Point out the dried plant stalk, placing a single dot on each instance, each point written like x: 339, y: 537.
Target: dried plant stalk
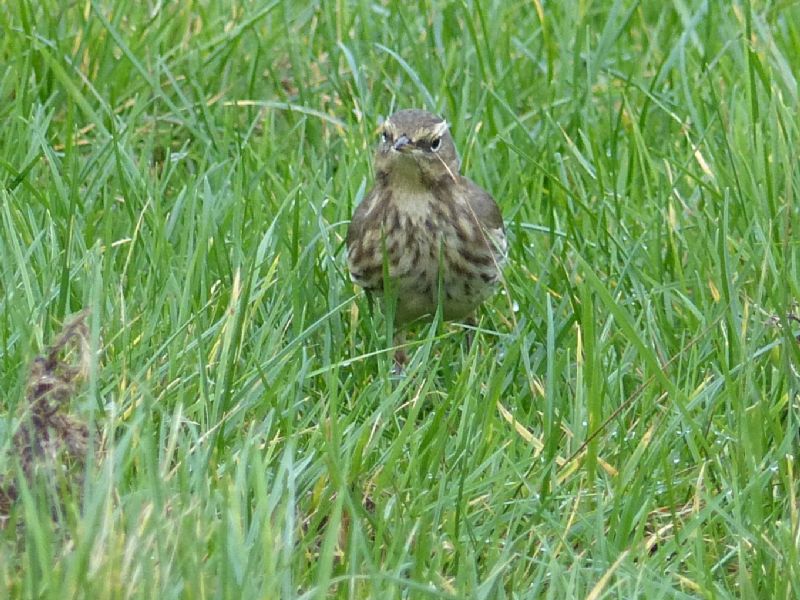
x: 49, y: 442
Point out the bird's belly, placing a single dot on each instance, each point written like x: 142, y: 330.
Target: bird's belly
x: 420, y: 245
x: 467, y: 269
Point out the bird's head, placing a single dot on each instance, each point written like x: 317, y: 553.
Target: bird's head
x: 416, y: 146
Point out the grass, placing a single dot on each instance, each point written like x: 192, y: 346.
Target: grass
x: 626, y: 424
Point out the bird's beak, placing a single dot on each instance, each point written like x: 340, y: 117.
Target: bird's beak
x: 401, y: 143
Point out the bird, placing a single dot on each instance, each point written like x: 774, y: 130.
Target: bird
x: 439, y: 235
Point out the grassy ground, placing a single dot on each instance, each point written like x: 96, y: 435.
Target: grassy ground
x: 626, y: 425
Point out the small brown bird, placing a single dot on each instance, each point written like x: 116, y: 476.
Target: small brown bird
x: 422, y: 213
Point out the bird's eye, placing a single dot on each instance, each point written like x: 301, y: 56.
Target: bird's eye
x: 385, y: 137
x: 436, y: 144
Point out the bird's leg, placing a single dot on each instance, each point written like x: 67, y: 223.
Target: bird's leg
x: 470, y: 322
x: 400, y: 356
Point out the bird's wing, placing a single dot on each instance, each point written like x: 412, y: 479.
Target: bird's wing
x: 355, y: 230
x: 483, y: 206
x: 364, y: 270
x: 486, y: 211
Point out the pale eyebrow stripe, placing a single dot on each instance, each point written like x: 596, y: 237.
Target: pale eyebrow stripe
x: 436, y: 131
x: 440, y: 128
x: 389, y: 126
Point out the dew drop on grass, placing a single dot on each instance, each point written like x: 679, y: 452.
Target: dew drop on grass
x: 515, y: 306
